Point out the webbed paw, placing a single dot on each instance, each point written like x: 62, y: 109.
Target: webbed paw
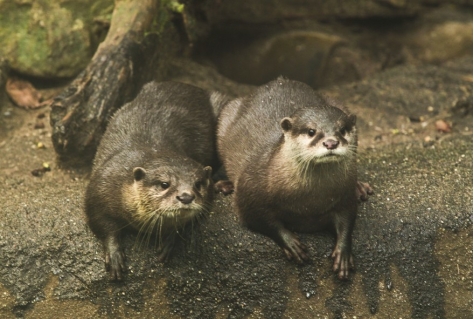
x: 225, y: 187
x: 115, y: 264
x: 343, y: 263
x: 363, y: 190
x: 293, y: 248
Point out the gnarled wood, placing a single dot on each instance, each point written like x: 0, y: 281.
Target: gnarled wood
x: 80, y: 113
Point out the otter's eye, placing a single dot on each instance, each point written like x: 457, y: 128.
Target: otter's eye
x: 198, y: 185
x: 164, y: 185
x: 311, y: 132
x: 344, y: 130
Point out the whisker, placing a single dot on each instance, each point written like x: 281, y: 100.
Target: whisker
x: 160, y: 225
x: 143, y: 231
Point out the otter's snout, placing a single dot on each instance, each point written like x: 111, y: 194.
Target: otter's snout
x: 331, y: 144
x: 185, y: 198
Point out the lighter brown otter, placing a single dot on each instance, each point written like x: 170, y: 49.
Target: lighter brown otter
x: 291, y: 155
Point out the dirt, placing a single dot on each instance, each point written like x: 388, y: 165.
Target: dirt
x: 412, y: 241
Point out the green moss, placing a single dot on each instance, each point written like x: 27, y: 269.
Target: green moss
x: 163, y: 18
x: 88, y: 10
x: 175, y: 6
x: 49, y: 38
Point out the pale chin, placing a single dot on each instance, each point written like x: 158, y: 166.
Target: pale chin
x: 182, y: 212
x: 330, y: 156
x: 328, y: 159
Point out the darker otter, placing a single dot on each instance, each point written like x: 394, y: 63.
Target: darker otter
x: 291, y: 155
x: 152, y: 170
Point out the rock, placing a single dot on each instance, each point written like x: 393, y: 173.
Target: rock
x: 412, y: 241
x: 441, y: 35
x: 51, y: 39
x: 385, y: 102
x: 327, y: 54
x: 298, y: 55
x: 206, y: 77
x: 231, y: 13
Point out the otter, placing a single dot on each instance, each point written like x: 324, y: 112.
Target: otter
x: 152, y: 170
x: 291, y: 155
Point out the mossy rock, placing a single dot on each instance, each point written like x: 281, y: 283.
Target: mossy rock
x: 50, y: 38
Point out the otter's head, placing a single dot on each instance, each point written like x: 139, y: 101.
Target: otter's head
x: 320, y: 135
x: 169, y: 194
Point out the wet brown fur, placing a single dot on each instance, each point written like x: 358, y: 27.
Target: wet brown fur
x: 282, y: 182
x: 149, y: 172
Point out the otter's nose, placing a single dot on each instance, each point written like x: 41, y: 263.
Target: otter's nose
x: 185, y: 198
x: 331, y: 144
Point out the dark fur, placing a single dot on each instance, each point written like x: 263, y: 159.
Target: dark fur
x: 251, y: 136
x: 168, y: 130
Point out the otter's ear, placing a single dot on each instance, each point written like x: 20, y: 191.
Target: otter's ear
x: 286, y: 124
x: 207, y: 172
x: 207, y: 176
x: 352, y: 120
x: 139, y: 173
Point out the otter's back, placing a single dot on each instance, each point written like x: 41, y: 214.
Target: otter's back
x: 167, y: 116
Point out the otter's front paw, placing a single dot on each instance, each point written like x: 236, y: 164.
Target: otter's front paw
x: 293, y: 248
x: 115, y: 264
x: 224, y: 186
x: 165, y: 250
x: 343, y: 263
x: 363, y: 190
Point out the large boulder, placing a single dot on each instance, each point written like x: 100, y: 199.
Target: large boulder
x: 52, y: 39
x: 323, y: 54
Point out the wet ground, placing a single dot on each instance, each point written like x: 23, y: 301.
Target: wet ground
x: 412, y: 242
